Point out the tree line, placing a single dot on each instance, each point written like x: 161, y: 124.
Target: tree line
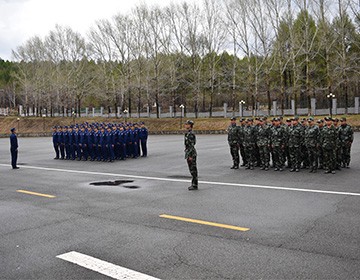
x: 198, y: 55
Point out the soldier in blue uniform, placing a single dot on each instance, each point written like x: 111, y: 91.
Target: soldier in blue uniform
x: 77, y: 148
x: 66, y: 142
x: 83, y: 141
x: 102, y: 144
x: 96, y: 138
x: 143, y: 136
x: 14, y: 148
x: 110, y: 144
x: 71, y: 143
x: 90, y: 143
x: 134, y: 140
x: 55, y: 143
x: 61, y: 142
x: 122, y: 138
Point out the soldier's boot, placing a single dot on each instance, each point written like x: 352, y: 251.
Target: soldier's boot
x: 236, y: 166
x: 292, y: 169
x: 333, y: 172
x: 192, y: 188
x: 232, y: 167
x: 311, y: 170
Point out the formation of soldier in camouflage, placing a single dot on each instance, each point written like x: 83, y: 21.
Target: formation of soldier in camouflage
x: 301, y: 144
x: 190, y: 154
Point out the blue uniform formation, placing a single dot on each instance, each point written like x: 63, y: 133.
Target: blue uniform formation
x: 100, y: 142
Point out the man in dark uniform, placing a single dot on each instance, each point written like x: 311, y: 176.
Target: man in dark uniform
x: 122, y: 140
x: 278, y: 139
x: 233, y: 140
x: 241, y: 141
x: 14, y: 148
x: 346, y: 137
x: 296, y: 138
x: 110, y: 144
x: 143, y: 136
x: 249, y: 143
x: 190, y: 154
x: 311, y: 141
x: 66, y: 142
x: 329, y: 139
x: 55, y: 143
x: 61, y: 142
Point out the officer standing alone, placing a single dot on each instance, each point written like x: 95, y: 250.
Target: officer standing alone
x: 190, y: 154
x: 14, y: 148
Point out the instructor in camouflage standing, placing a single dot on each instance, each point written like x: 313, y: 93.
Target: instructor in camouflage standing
x: 190, y: 154
x: 233, y: 140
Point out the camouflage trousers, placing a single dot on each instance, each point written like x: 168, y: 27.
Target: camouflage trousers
x: 345, y: 153
x: 295, y: 156
x: 312, y: 155
x: 234, y: 151
x: 278, y: 157
x: 243, y: 154
x: 329, y: 159
x: 193, y: 171
x: 264, y: 152
x: 250, y: 155
x: 321, y: 157
x: 304, y: 156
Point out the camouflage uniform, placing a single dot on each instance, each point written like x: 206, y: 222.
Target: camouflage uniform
x: 329, y: 138
x: 320, y: 149
x: 190, y: 156
x: 233, y: 140
x: 296, y: 134
x: 263, y: 143
x: 286, y: 144
x: 249, y: 145
x: 311, y: 141
x: 346, y: 137
x: 304, y: 152
x: 241, y: 143
x: 278, y: 138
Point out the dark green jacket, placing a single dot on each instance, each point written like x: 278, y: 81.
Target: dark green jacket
x: 190, y: 141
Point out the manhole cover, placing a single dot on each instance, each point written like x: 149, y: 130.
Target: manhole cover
x: 112, y: 183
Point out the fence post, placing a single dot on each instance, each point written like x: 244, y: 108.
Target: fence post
x: 274, y: 109
x: 313, y: 106
x: 356, y: 109
x: 334, y: 106
x: 293, y: 107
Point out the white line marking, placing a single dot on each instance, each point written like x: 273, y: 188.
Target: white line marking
x: 187, y: 181
x: 103, y: 267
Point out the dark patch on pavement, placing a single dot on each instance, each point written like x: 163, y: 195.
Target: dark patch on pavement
x: 179, y: 177
x: 114, y: 183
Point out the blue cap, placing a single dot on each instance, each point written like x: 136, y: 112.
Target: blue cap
x: 13, y: 129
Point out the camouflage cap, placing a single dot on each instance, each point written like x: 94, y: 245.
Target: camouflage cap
x: 233, y: 119
x: 189, y: 122
x: 343, y: 119
x: 310, y: 119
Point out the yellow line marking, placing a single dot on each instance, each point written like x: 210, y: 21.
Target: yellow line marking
x: 203, y: 222
x: 35, y: 193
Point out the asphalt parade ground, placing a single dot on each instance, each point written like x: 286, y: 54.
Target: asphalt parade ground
x: 135, y: 219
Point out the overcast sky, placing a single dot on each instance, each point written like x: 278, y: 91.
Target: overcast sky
x: 23, y: 19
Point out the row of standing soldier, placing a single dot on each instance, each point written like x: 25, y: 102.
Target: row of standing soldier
x: 100, y: 142
x: 302, y: 144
